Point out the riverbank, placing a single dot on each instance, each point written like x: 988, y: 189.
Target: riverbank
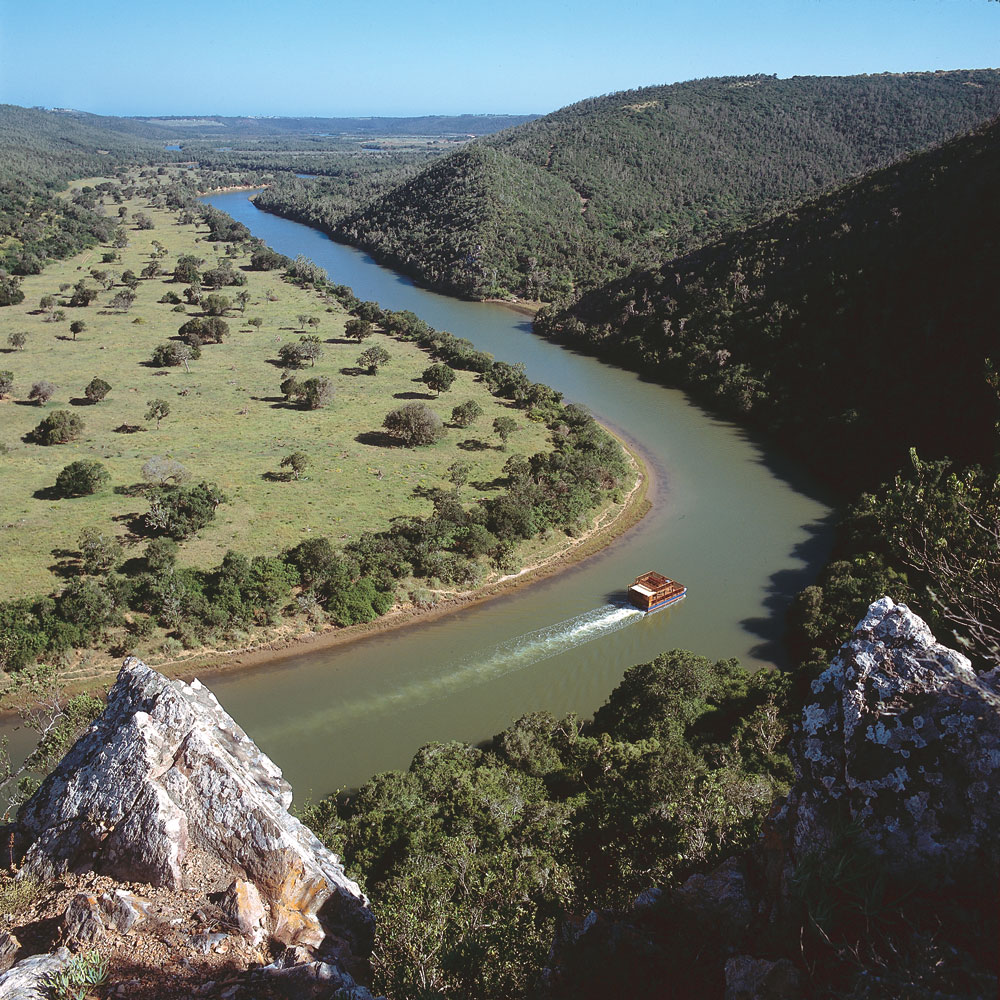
x: 608, y: 525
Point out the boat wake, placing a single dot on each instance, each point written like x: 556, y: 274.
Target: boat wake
x: 497, y: 661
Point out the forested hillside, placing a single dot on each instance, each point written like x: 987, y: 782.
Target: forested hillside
x: 588, y: 192
x: 854, y: 329
x: 39, y: 152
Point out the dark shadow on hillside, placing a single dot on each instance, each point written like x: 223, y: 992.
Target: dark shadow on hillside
x: 485, y: 485
x: 353, y: 371
x: 67, y: 563
x: 48, y: 493
x: 783, y: 585
x: 473, y: 444
x: 377, y: 439
x: 28, y: 402
x: 269, y: 399
x: 82, y: 401
x: 413, y: 395
x: 129, y: 428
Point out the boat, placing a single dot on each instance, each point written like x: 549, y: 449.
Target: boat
x: 653, y: 591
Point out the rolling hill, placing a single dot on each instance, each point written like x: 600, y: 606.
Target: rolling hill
x: 584, y: 194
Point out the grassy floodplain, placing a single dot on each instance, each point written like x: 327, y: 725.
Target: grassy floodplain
x: 228, y: 423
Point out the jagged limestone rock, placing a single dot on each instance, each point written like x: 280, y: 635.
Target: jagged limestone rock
x: 9, y: 947
x: 242, y: 904
x: 26, y: 980
x: 165, y: 788
x: 82, y: 923
x: 902, y: 738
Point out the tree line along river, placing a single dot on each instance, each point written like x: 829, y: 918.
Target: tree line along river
x: 735, y: 522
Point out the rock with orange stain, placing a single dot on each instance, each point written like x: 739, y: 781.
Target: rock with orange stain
x: 166, y: 788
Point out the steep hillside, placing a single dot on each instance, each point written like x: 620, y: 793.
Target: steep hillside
x: 640, y: 175
x: 39, y: 152
x: 853, y: 328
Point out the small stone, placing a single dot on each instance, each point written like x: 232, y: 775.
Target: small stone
x: 82, y: 922
x: 123, y: 910
x: 9, y: 946
x: 241, y: 903
x: 749, y: 978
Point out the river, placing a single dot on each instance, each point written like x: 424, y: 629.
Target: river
x: 740, y: 526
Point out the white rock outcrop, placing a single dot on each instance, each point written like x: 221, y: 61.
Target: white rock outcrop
x: 165, y: 788
x: 901, y: 737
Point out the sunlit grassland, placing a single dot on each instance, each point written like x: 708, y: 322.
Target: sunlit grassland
x: 227, y: 423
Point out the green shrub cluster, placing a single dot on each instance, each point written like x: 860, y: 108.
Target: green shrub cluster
x: 473, y: 854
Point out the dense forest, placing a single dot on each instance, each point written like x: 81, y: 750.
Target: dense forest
x: 475, y: 855
x: 853, y: 329
x: 588, y: 192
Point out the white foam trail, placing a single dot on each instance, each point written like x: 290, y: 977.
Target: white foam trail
x: 485, y: 665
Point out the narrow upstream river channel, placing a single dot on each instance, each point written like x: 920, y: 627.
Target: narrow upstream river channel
x: 743, y: 529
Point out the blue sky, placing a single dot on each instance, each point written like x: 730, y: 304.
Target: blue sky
x: 387, y: 57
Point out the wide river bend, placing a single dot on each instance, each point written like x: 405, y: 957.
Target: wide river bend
x: 740, y: 526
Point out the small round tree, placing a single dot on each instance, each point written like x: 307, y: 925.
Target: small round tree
x: 296, y: 464
x: 6, y: 383
x: 100, y: 552
x: 160, y: 471
x: 17, y: 340
x: 310, y: 348
x: 466, y: 414
x: 158, y: 409
x: 414, y: 424
x: 82, y: 478
x: 438, y: 377
x: 315, y: 393
x: 41, y: 392
x: 97, y: 389
x: 357, y: 329
x: 58, y: 427
x: 77, y: 327
x: 504, y: 427
x: 290, y: 355
x: 216, y: 305
x: 458, y: 474
x: 373, y: 358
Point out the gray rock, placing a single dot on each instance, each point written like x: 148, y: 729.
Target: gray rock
x: 241, y: 903
x: 82, y: 923
x: 749, y: 978
x: 9, y: 947
x: 122, y: 911
x: 26, y: 980
x: 646, y: 898
x: 308, y: 980
x: 721, y: 895
x: 902, y: 738
x: 164, y: 787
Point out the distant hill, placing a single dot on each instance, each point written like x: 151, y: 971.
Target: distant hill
x: 852, y: 327
x: 596, y: 188
x: 172, y: 127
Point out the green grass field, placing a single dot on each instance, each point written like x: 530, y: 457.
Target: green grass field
x: 226, y: 425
